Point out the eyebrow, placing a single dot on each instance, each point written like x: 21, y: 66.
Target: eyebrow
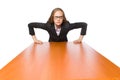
x: 58, y: 16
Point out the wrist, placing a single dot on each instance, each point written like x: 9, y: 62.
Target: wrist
x: 81, y: 37
x: 34, y: 38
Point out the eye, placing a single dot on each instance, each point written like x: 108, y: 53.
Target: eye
x: 60, y: 17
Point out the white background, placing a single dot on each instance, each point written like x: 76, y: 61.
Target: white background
x: 102, y: 16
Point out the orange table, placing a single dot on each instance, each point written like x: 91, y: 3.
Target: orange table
x: 60, y: 61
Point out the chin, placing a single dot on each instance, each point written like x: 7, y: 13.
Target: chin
x: 58, y: 24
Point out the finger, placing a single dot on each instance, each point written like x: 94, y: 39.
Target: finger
x: 40, y: 42
x: 77, y: 42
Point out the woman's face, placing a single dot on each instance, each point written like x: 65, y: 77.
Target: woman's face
x: 58, y: 18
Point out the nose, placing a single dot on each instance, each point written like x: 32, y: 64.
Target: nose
x: 58, y: 18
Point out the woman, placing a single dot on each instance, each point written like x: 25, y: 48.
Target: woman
x: 57, y: 27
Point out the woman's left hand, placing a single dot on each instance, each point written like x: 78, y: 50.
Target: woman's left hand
x: 77, y: 41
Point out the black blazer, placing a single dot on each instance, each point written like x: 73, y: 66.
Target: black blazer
x: 65, y: 28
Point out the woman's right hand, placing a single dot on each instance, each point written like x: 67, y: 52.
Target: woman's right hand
x: 36, y: 40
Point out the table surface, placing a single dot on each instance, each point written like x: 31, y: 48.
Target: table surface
x: 60, y: 61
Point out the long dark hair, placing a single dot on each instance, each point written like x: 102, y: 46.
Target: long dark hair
x: 50, y: 20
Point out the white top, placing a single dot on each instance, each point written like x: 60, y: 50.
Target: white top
x: 57, y: 30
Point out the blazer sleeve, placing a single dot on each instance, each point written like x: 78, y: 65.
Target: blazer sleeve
x: 31, y: 27
x: 81, y: 25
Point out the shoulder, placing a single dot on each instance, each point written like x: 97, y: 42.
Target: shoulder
x: 79, y: 23
x: 38, y: 24
x: 66, y: 24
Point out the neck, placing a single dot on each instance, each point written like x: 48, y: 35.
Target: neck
x: 58, y: 26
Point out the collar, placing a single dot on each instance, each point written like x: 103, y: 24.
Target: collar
x: 57, y: 27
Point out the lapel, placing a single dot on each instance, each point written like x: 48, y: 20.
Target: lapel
x: 53, y: 29
x: 62, y: 29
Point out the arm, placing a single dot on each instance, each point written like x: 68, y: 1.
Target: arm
x: 81, y: 25
x: 83, y: 30
x: 31, y: 27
